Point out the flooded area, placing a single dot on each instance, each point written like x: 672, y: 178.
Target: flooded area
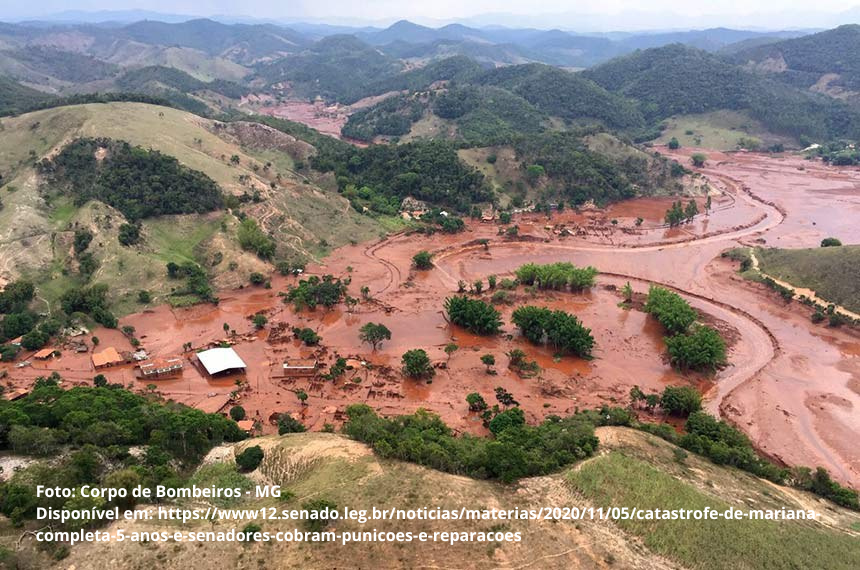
x: 792, y: 386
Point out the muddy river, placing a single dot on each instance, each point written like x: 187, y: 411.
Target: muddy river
x: 792, y: 386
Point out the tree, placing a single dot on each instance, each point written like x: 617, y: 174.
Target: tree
x: 422, y: 260
x: 237, y: 413
x: 288, y: 424
x: 830, y: 242
x: 259, y: 320
x: 249, y: 459
x: 674, y: 144
x: 698, y: 159
x: 476, y: 402
x: 701, y: 349
x: 505, y: 398
x: 680, y: 400
x: 302, y: 397
x: 489, y: 361
x: 450, y: 349
x: 416, y: 364
x: 374, y: 334
x: 473, y: 314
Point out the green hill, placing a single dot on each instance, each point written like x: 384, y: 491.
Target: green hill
x: 678, y: 80
x: 252, y: 165
x: 806, y: 60
x: 832, y: 272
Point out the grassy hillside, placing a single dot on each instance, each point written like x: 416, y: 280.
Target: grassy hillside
x: 832, y: 272
x: 35, y: 235
x: 632, y: 467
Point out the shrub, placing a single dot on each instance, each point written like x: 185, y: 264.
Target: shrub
x: 422, y: 260
x: 673, y: 312
x: 473, y: 314
x: 237, y: 413
x: 250, y: 459
x: 702, y: 349
x: 289, y: 424
x: 416, y: 364
x: 680, y: 400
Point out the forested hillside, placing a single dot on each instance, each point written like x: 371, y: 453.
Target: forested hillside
x: 677, y: 80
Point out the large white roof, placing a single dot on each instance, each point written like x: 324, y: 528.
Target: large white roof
x: 217, y: 360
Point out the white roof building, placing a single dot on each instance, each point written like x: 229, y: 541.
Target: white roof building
x: 217, y: 360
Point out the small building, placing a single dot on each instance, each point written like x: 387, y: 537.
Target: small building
x: 161, y: 368
x: 221, y: 361
x: 300, y: 367
x: 45, y: 354
x: 107, y: 358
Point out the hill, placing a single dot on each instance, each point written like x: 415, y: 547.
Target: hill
x: 820, y: 62
x: 832, y: 272
x: 678, y: 80
x: 632, y: 469
x: 254, y: 166
x: 15, y: 97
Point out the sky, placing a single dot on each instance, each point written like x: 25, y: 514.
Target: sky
x: 604, y: 15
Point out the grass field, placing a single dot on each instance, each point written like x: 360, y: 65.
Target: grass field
x: 618, y: 480
x: 306, y: 221
x: 832, y: 272
x: 719, y: 130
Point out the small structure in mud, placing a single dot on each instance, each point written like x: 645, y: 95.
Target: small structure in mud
x: 107, y: 358
x: 45, y: 354
x: 305, y: 367
x: 221, y: 361
x: 161, y: 368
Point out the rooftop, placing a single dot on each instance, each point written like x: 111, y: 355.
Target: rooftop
x: 216, y: 360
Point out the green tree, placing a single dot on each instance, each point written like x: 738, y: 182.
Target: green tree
x: 422, y: 260
x: 416, y: 364
x: 374, y: 334
x: 249, y: 459
x: 237, y: 413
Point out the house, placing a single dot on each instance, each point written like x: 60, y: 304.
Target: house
x: 221, y: 361
x: 107, y: 358
x: 300, y: 367
x: 161, y: 367
x: 45, y: 354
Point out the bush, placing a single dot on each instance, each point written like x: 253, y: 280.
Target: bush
x: 416, y: 364
x: 473, y: 314
x: 237, y: 413
x: 680, y: 400
x: 250, y: 458
x: 558, y: 276
x: 830, y: 242
x: 561, y: 330
x: 422, y: 260
x: 702, y: 349
x: 673, y: 312
x: 288, y: 424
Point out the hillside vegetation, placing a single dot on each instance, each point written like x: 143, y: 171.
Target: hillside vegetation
x: 37, y: 234
x: 346, y: 473
x: 832, y: 272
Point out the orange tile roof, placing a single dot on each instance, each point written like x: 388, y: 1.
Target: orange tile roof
x: 44, y: 353
x: 106, y: 357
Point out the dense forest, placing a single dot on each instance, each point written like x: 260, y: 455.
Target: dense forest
x: 678, y: 80
x: 138, y: 182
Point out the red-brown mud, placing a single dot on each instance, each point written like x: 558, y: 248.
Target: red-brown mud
x: 793, y: 387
